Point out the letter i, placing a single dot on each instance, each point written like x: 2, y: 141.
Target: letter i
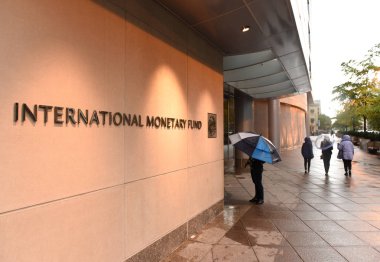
x: 15, y: 111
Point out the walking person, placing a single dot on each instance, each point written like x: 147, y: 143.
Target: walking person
x: 327, y: 148
x: 257, y: 169
x: 347, y: 148
x: 332, y: 134
x: 307, y: 153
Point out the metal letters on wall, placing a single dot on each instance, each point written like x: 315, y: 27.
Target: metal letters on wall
x: 75, y: 117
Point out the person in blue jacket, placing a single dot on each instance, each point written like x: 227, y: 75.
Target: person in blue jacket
x: 347, y: 148
x: 307, y: 153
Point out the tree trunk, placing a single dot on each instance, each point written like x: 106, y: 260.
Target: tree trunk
x: 365, y: 123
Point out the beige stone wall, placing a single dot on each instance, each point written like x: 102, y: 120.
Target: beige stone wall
x: 103, y: 193
x: 292, y: 120
x: 293, y: 126
x: 297, y: 101
x: 260, y: 111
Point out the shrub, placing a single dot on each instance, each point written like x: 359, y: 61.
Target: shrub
x: 373, y: 136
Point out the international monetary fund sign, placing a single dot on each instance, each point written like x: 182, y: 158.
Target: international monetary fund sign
x: 76, y: 116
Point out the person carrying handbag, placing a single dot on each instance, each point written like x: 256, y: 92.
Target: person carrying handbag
x: 347, y: 148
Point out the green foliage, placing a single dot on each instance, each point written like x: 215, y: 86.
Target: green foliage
x: 361, y: 91
x: 373, y: 136
x: 374, y: 114
x: 347, y: 119
x: 325, y: 122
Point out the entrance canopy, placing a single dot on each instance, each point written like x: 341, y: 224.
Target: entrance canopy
x: 267, y: 61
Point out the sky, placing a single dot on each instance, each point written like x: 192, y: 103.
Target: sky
x: 340, y: 30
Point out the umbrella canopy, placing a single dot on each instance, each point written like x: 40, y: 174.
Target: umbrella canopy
x: 324, y: 141
x: 255, y: 146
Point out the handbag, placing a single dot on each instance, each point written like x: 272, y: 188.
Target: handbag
x: 340, y: 154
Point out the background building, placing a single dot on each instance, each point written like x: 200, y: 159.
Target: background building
x: 314, y: 111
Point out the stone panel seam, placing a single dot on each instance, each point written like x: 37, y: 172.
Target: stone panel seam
x: 59, y: 199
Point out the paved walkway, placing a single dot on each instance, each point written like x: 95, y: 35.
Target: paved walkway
x: 305, y: 217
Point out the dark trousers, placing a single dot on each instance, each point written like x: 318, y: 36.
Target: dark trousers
x: 306, y: 163
x: 326, y: 162
x: 257, y: 177
x: 347, y: 165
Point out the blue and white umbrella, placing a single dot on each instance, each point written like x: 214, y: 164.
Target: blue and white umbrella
x: 256, y: 146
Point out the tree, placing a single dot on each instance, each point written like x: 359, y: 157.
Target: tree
x: 325, y: 122
x: 374, y: 114
x: 361, y: 90
x: 347, y: 119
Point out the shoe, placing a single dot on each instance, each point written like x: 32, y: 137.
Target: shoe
x: 326, y: 174
x: 305, y: 172
x: 345, y: 174
x: 253, y: 200
x: 349, y: 173
x: 259, y: 202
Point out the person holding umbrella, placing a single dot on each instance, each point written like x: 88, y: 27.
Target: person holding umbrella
x: 257, y: 176
x: 327, y: 148
x: 260, y: 150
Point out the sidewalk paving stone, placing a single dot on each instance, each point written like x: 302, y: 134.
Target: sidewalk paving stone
x: 357, y: 226
x: 359, y: 254
x: 318, y: 254
x: 305, y: 217
x: 324, y: 226
x: 273, y: 254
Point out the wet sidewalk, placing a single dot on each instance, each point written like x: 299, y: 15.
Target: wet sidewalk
x: 305, y: 217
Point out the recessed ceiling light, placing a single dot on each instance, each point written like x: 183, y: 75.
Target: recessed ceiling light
x: 245, y: 28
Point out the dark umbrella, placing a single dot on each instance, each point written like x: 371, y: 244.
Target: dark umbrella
x: 256, y: 146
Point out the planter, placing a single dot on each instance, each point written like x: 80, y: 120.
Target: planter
x: 373, y: 147
x: 363, y: 143
x: 355, y: 140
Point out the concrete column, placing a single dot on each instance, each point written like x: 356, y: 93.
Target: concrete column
x: 274, y: 122
x: 307, y: 123
x: 243, y: 121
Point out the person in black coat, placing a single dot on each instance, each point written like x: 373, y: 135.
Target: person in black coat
x: 307, y: 153
x: 257, y: 169
x: 327, y: 148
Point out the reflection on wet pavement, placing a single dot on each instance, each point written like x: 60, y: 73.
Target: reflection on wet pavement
x: 305, y: 217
